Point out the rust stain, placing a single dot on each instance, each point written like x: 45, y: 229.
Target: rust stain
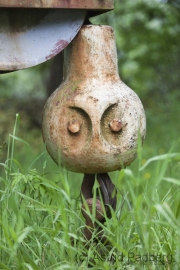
x: 94, y: 99
x: 59, y: 46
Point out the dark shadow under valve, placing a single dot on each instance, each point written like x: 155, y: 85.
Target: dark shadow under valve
x: 96, y: 207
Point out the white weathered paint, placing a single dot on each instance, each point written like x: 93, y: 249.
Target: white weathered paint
x: 30, y: 37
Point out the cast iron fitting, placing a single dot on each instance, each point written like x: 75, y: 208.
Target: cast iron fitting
x: 93, y: 121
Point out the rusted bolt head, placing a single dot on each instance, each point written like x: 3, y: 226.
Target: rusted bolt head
x: 115, y: 125
x: 74, y: 126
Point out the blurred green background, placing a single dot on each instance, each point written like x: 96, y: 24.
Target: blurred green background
x: 148, y: 45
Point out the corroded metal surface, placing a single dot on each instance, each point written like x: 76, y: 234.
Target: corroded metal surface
x: 71, y: 4
x: 31, y: 36
x: 109, y: 114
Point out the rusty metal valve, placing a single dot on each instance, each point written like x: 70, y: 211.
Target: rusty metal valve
x: 92, y: 122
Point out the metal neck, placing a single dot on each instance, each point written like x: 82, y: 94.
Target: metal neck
x: 92, y: 54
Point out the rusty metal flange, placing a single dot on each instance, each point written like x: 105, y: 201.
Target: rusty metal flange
x: 67, y: 4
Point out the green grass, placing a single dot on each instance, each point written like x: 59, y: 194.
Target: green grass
x: 42, y: 225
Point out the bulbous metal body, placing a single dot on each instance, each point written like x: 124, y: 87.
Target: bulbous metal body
x: 92, y: 122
